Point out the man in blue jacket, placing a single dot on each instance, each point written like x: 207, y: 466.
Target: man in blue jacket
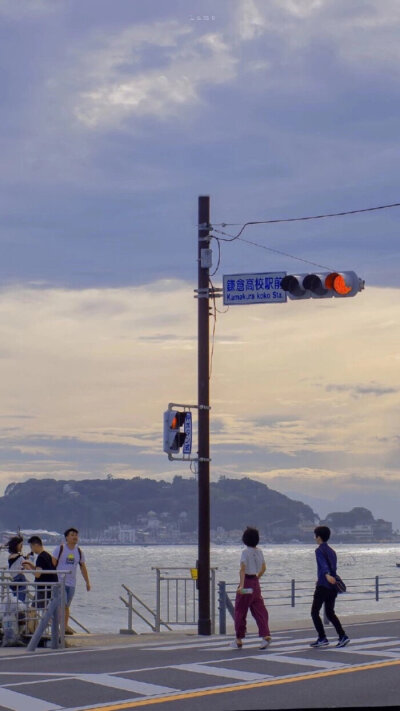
x: 325, y: 591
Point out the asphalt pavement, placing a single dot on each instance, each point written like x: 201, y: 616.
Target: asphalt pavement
x: 185, y: 671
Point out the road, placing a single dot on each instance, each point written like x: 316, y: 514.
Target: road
x: 201, y: 673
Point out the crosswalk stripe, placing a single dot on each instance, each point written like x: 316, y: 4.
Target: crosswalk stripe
x: 251, y: 642
x: 220, y: 671
x: 21, y: 702
x: 119, y: 682
x: 371, y: 645
x: 302, y: 661
x: 196, y: 640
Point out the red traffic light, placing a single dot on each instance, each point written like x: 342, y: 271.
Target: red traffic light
x: 337, y: 282
x: 322, y: 285
x: 178, y: 418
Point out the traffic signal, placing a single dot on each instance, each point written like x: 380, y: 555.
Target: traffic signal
x: 322, y: 285
x: 174, y: 438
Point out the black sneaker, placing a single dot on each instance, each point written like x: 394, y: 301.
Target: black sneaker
x: 343, y: 641
x: 320, y: 643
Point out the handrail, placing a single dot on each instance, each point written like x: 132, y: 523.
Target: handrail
x: 190, y: 601
x: 132, y: 609
x: 85, y: 629
x: 22, y: 621
x: 356, y: 589
x: 5, y: 575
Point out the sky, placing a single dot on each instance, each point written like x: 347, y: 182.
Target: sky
x: 114, y: 118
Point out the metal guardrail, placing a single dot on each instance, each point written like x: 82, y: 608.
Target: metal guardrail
x: 27, y: 616
x: 299, y: 592
x: 176, y: 600
x: 176, y: 597
x: 132, y: 610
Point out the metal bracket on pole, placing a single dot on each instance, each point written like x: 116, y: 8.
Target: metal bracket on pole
x: 215, y: 292
x: 185, y: 459
x: 179, y: 404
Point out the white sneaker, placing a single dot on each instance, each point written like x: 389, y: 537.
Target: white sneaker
x: 235, y: 645
x: 265, y: 643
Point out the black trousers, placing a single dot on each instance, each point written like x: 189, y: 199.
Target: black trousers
x: 325, y: 595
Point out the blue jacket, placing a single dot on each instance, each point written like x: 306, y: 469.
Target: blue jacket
x: 322, y: 564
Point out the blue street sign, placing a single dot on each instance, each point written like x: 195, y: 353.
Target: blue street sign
x: 259, y: 288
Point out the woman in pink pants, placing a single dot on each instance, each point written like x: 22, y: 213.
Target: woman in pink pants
x: 252, y: 567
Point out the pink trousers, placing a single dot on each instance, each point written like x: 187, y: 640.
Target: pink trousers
x: 257, y: 608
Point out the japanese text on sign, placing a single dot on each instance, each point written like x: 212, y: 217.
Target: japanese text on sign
x: 187, y: 428
x: 263, y: 288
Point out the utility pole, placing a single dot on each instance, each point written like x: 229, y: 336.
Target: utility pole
x: 204, y: 621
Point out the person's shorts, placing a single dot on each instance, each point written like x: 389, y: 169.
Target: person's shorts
x: 69, y: 594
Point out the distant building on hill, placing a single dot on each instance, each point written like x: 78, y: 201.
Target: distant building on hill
x: 358, y: 525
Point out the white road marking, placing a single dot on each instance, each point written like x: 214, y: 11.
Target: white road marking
x: 219, y: 671
x: 184, y: 692
x: 205, y: 640
x: 379, y: 647
x: 118, y: 682
x: 21, y: 702
x: 302, y: 661
x: 372, y: 645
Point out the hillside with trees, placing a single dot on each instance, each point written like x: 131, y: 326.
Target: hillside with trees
x: 94, y: 504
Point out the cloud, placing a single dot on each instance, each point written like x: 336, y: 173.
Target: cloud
x: 99, y: 366
x: 116, y: 84
x: 361, y: 390
x: 251, y: 22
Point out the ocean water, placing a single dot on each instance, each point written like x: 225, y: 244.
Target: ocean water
x: 101, y: 610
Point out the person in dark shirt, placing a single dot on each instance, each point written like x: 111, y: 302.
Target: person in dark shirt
x: 43, y: 563
x: 325, y: 591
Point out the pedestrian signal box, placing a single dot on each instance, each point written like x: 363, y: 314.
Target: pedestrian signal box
x: 322, y: 285
x: 174, y: 437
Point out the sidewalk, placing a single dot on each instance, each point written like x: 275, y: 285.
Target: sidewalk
x: 97, y: 641
x: 119, y: 640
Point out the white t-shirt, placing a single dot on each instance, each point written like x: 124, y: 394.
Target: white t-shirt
x: 253, y: 559
x: 16, y: 565
x: 69, y: 560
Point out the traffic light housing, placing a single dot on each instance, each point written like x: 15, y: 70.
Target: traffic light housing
x: 322, y: 285
x: 174, y: 437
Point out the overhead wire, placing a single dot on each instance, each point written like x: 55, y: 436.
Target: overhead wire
x: 219, y: 256
x: 214, y: 315
x: 231, y: 238
x: 285, y: 254
x: 294, y: 219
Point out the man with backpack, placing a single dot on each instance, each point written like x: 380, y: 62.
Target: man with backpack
x: 67, y: 557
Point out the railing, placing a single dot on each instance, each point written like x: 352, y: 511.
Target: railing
x: 133, y: 610
x: 299, y: 592
x: 30, y: 612
x: 176, y: 597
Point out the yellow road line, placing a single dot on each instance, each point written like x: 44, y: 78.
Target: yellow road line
x: 240, y: 687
